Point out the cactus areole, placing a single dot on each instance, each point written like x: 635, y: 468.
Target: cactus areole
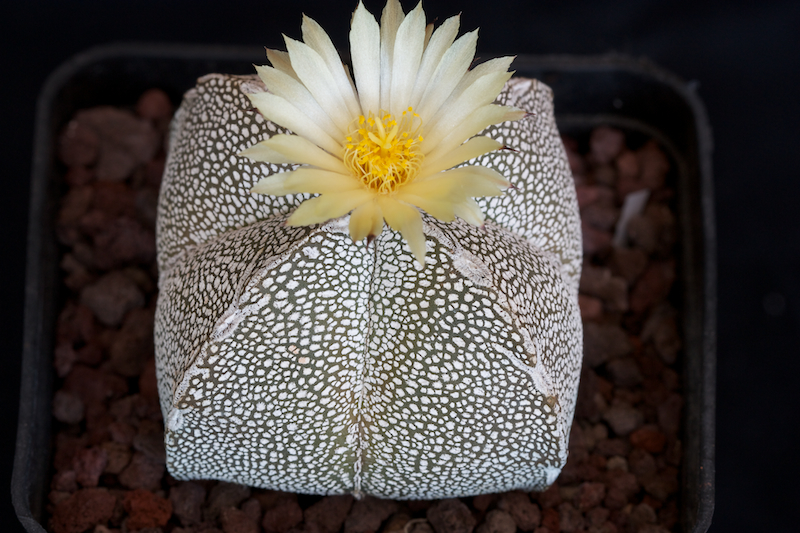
x: 301, y: 344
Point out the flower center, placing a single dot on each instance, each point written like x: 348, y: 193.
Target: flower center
x: 383, y: 152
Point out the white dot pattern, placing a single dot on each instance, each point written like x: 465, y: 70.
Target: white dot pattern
x: 297, y: 360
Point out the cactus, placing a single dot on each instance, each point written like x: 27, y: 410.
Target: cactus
x: 293, y: 358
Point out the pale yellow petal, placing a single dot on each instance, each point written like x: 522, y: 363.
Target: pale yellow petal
x: 365, y: 49
x: 274, y: 185
x: 460, y: 183
x: 284, y: 113
x: 408, y: 48
x: 474, y: 123
x: 264, y: 154
x: 366, y: 220
x: 448, y: 73
x: 299, y: 150
x: 280, y: 60
x: 306, y: 180
x: 482, y: 92
x: 391, y: 18
x: 328, y: 206
x: 471, y: 149
x: 407, y: 220
x: 470, y: 211
x: 315, y: 37
x: 428, y: 33
x: 439, y: 42
x: 441, y: 208
x: 291, y: 89
x: 492, y: 66
x: 319, y: 81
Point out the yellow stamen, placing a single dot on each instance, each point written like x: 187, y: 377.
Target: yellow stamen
x: 383, y: 152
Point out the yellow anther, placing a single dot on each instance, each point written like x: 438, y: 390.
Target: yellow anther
x: 386, y: 152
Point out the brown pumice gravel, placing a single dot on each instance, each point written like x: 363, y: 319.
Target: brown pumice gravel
x: 109, y: 472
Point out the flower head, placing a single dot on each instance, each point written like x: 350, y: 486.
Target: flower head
x: 383, y: 143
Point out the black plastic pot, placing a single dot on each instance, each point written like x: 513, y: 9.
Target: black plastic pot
x: 589, y: 91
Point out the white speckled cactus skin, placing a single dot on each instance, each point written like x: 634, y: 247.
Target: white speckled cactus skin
x: 295, y: 359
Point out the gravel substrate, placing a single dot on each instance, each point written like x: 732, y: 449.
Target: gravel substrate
x: 108, y: 462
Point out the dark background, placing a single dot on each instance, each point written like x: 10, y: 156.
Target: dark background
x: 745, y: 58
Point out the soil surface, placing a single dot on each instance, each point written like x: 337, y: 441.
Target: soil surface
x: 108, y: 462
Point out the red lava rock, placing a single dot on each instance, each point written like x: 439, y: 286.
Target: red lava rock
x: 594, y: 240
x: 67, y: 407
x: 601, y: 215
x: 111, y: 297
x: 155, y: 105
x: 550, y: 519
x: 65, y: 481
x: 78, y: 175
x: 133, y: 345
x: 606, y: 175
x: 654, y: 165
x: 624, y: 372
x: 77, y: 275
x: 669, y: 413
x: 623, y: 418
x: 142, y: 473
x: 125, y: 141
x: 329, y: 513
x: 599, y: 282
x: 550, y: 497
x: 187, y: 498
x: 590, y: 494
x: 283, y: 516
x: 94, y: 386
x: 605, y: 144
x: 591, y: 307
x: 367, y: 515
x: 89, y: 464
x: 648, y: 438
x: 483, y: 501
x: 78, y: 145
x: 82, y: 510
x: 119, y: 456
x: 612, y: 447
x: 124, y: 240
x: 641, y: 463
x: 587, y: 194
x: 525, y: 513
x: 569, y: 518
x: 498, y: 521
x: 75, y: 204
x: 628, y: 263
x: 237, y: 521
x: 602, y: 342
x: 223, y: 495
x: 419, y: 525
x: 150, y: 441
x: 145, y: 509
x: 597, y: 516
x: 653, y: 286
x: 451, y: 516
x: 663, y: 484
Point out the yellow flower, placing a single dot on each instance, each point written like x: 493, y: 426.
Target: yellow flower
x: 383, y: 143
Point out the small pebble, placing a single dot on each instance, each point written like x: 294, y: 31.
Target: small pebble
x: 367, y: 515
x: 498, y: 521
x: 451, y: 516
x: 525, y: 513
x: 285, y: 515
x: 67, y: 407
x: 82, y: 510
x: 111, y: 297
x: 187, y: 499
x: 145, y: 509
